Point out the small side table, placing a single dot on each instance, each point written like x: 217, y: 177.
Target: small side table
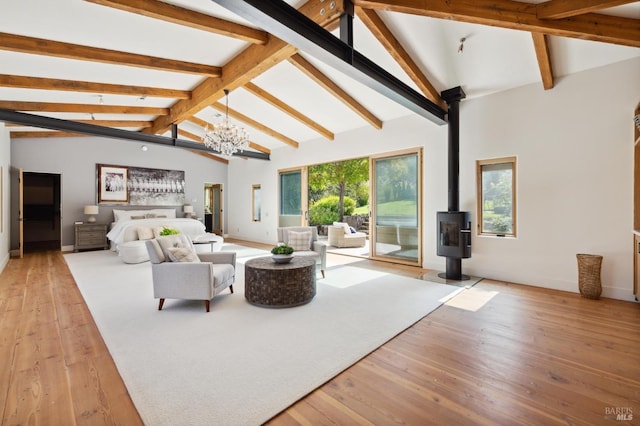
x: 204, y: 244
x: 91, y: 236
x: 200, y: 242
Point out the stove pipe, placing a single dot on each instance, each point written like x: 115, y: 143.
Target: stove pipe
x: 453, y: 97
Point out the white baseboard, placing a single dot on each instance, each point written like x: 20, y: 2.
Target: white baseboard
x: 4, y: 262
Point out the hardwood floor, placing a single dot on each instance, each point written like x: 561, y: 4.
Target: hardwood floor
x: 497, y: 353
x: 54, y: 366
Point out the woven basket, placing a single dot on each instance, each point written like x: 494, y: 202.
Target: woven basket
x: 589, y: 275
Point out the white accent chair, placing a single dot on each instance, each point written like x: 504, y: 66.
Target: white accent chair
x: 202, y: 279
x: 338, y: 237
x: 317, y: 249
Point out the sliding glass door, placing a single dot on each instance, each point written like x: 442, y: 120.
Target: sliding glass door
x: 293, y: 184
x: 396, y: 207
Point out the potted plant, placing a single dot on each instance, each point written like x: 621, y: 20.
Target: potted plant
x: 282, y: 253
x: 168, y: 231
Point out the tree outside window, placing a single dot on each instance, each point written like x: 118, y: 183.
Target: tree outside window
x: 496, y: 196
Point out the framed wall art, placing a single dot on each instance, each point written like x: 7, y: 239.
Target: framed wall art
x: 156, y: 187
x: 138, y: 186
x: 113, y: 184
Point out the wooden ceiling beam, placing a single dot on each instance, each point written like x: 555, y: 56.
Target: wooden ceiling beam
x: 282, y: 106
x: 517, y: 15
x: 558, y: 9
x: 316, y: 75
x: 85, y: 108
x: 23, y: 82
x: 39, y: 46
x: 255, y: 124
x: 259, y: 147
x: 106, y: 123
x: 243, y: 68
x: 42, y: 134
x: 254, y: 60
x: 384, y: 35
x: 190, y: 135
x: 204, y: 124
x: 189, y: 18
x: 117, y: 123
x: 541, y: 45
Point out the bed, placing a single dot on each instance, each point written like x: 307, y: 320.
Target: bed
x: 131, y: 228
x: 132, y: 225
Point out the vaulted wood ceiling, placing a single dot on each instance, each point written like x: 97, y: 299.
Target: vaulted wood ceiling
x: 284, y: 97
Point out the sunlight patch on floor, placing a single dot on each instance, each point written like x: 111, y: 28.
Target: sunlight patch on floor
x: 472, y: 299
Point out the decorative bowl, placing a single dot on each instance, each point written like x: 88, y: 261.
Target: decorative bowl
x: 281, y: 258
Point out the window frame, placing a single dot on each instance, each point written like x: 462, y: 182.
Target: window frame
x: 256, y: 202
x: 479, y: 195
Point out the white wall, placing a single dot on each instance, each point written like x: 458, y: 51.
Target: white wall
x: 5, y: 155
x: 76, y: 158
x: 575, y: 177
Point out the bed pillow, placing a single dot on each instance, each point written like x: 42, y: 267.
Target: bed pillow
x: 168, y: 213
x: 300, y: 241
x: 175, y: 241
x: 119, y: 215
x: 182, y: 254
x: 145, y: 233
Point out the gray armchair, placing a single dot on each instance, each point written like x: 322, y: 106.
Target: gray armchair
x: 317, y: 249
x: 201, y: 280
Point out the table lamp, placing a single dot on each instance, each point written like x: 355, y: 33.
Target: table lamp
x: 188, y: 210
x: 91, y: 211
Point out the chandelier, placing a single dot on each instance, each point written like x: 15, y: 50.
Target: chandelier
x: 226, y: 138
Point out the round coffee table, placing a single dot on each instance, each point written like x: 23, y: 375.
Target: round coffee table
x: 273, y: 285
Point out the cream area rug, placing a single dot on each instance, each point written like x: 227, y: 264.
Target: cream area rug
x: 241, y: 364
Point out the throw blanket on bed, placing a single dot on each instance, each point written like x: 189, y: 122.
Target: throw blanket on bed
x: 127, y: 230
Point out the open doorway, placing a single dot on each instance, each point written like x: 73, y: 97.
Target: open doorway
x: 213, y: 208
x: 41, y: 201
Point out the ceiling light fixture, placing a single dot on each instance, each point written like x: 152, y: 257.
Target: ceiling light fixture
x: 226, y: 138
x: 461, y: 47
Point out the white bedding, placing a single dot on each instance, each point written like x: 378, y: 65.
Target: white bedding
x: 127, y: 230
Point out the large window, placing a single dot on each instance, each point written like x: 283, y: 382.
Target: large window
x: 396, y: 207
x: 497, y: 196
x: 290, y: 184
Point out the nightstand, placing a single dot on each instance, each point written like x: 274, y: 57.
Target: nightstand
x: 91, y: 236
